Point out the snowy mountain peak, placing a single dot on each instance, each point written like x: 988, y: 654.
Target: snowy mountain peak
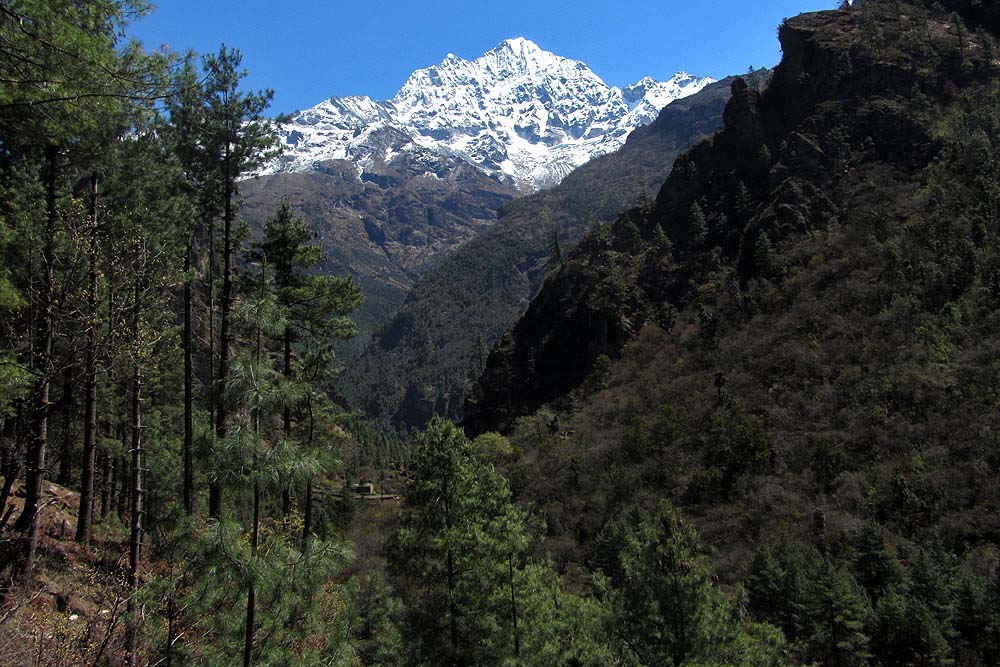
x: 519, y: 44
x: 524, y: 49
x: 518, y: 112
x: 521, y: 47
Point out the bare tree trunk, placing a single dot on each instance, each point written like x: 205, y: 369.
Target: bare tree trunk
x: 135, y: 520
x: 188, y: 391
x: 171, y: 632
x: 66, y: 451
x: 452, y: 608
x: 105, y: 483
x: 86, y: 512
x: 252, y: 590
x: 307, y: 512
x: 213, y: 490
x: 286, y: 415
x: 123, y: 475
x: 110, y: 462
x: 27, y: 522
x: 513, y: 605
x: 251, y: 618
x: 116, y: 467
x: 222, y: 411
x: 308, y: 509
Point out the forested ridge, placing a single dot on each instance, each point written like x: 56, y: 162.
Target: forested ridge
x: 748, y: 422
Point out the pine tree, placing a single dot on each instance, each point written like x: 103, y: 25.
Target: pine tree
x: 145, y: 215
x: 238, y: 139
x: 63, y: 73
x: 185, y: 133
x: 253, y: 458
x: 906, y: 633
x: 85, y: 513
x: 877, y: 567
x: 665, y: 609
x: 316, y: 306
x: 766, y: 261
x: 462, y: 541
x: 14, y: 378
x: 742, y: 203
x: 839, y: 617
x: 660, y: 238
x: 555, y: 251
x: 697, y: 225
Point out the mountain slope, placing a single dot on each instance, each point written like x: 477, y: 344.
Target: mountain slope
x: 812, y: 361
x: 769, y: 174
x: 519, y: 113
x: 385, y: 227
x: 424, y: 360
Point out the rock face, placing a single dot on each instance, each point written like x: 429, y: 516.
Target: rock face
x: 518, y: 113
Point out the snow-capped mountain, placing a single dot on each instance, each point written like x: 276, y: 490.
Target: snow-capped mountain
x: 519, y: 113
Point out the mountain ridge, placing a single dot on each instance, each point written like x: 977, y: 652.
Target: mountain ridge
x: 518, y: 113
x: 796, y: 345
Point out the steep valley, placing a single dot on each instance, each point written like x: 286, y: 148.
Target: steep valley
x: 687, y: 373
x: 390, y: 188
x: 424, y: 360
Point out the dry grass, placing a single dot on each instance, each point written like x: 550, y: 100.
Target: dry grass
x: 71, y: 612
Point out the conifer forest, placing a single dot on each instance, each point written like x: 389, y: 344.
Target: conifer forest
x: 727, y: 395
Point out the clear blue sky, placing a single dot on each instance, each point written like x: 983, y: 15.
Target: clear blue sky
x: 308, y: 50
